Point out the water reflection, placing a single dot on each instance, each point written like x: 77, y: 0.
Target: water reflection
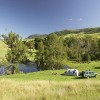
x: 25, y: 68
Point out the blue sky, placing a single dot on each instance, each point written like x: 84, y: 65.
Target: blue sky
x: 27, y: 17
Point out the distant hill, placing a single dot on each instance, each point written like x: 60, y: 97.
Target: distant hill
x: 37, y: 36
x: 77, y: 31
x: 65, y: 32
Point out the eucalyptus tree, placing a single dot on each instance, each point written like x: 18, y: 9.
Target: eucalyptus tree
x: 52, y: 53
x: 17, y: 51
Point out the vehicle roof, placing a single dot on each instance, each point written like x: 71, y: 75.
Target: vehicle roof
x: 88, y: 71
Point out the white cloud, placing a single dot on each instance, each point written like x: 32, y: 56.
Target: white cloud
x: 80, y: 19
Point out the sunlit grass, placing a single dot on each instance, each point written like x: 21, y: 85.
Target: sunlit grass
x: 93, y: 65
x: 49, y: 90
x: 3, y: 51
x: 82, y: 35
x: 49, y: 76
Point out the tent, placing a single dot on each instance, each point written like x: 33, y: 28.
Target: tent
x: 72, y: 72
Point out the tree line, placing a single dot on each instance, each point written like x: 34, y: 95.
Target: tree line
x: 53, y: 51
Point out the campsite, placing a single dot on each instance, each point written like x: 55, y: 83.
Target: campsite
x: 49, y: 49
x: 57, y: 86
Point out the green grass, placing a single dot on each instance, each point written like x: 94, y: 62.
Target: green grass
x: 93, y: 65
x: 43, y: 85
x: 48, y: 76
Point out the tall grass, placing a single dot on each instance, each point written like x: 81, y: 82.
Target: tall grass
x: 49, y: 90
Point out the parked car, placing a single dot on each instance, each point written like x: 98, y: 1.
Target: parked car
x: 88, y: 74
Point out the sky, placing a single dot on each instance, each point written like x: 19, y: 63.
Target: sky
x: 27, y: 17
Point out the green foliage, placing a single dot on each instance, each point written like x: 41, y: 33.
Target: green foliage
x: 17, y: 50
x: 37, y: 43
x: 29, y: 44
x: 11, y: 39
x: 82, y: 48
x: 16, y: 68
x: 51, y: 52
x: 12, y: 68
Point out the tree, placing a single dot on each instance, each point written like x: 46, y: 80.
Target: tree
x: 29, y: 44
x: 17, y: 50
x: 11, y: 39
x: 52, y: 52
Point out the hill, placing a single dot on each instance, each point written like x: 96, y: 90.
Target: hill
x: 78, y: 31
x: 66, y: 32
x: 37, y: 36
x: 3, y: 50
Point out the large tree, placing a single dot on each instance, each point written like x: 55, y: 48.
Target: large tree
x: 52, y: 52
x: 17, y: 50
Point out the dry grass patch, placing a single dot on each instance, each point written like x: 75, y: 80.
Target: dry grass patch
x: 49, y: 90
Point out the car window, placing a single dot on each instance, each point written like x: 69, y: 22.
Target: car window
x: 89, y: 72
x: 86, y: 72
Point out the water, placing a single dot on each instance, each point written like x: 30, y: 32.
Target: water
x: 3, y: 70
x: 25, y: 68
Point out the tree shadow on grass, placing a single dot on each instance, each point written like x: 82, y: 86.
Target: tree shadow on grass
x: 82, y: 78
x: 62, y: 74
x: 79, y: 77
x: 66, y: 75
x: 74, y: 77
x: 97, y: 67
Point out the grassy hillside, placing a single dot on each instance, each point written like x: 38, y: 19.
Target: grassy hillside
x: 69, y: 32
x: 3, y: 50
x: 82, y: 35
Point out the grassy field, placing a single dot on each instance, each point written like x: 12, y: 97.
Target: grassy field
x: 49, y: 90
x: 46, y: 75
x: 43, y: 85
